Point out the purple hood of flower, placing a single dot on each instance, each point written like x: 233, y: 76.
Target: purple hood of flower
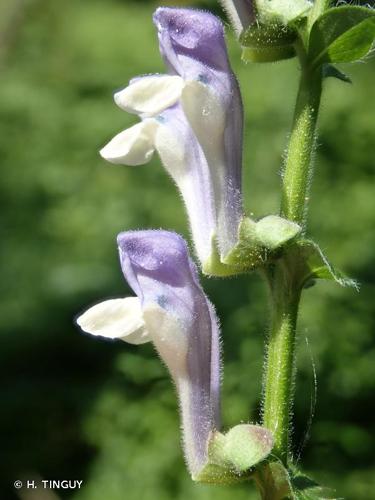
x: 191, y: 40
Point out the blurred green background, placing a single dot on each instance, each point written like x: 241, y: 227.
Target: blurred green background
x: 73, y: 407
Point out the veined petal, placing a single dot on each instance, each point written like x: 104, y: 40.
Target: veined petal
x: 183, y: 327
x: 150, y: 95
x: 206, y: 110
x: 116, y: 319
x: 134, y: 146
x: 169, y: 339
x: 183, y: 158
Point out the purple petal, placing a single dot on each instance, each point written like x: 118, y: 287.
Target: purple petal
x: 157, y: 266
x: 190, y: 39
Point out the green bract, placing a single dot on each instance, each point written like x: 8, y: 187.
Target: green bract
x: 331, y: 71
x: 273, y: 481
x: 317, y: 266
x: 258, y: 242
x: 342, y: 34
x: 308, y: 264
x: 268, y: 42
x: 304, y: 488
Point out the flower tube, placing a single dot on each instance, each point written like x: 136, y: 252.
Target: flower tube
x: 193, y: 118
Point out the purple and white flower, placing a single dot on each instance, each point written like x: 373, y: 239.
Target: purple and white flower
x: 193, y: 118
x: 170, y: 310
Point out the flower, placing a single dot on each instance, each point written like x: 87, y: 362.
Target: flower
x: 171, y: 310
x: 193, y: 118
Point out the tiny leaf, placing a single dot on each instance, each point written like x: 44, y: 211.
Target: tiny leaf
x: 342, y: 34
x: 317, y: 266
x: 274, y: 482
x: 330, y: 71
x: 306, y: 489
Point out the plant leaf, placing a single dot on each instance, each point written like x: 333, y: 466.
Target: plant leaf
x: 330, y: 71
x: 273, y: 481
x: 342, y: 34
x: 317, y: 266
x: 305, y: 488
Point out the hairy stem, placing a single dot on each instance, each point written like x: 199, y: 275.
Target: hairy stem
x: 280, y: 368
x: 284, y: 283
x: 298, y: 169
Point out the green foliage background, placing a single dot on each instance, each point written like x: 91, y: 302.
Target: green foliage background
x: 76, y: 407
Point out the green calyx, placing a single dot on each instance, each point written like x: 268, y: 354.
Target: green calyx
x: 272, y: 37
x: 267, y: 42
x: 232, y: 456
x: 258, y: 243
x: 261, y: 241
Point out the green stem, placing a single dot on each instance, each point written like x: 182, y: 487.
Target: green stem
x: 283, y: 279
x: 298, y: 168
x: 280, y: 367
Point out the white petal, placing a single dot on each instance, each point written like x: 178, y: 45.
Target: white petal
x: 133, y: 146
x: 172, y: 148
x: 150, y: 95
x: 181, y: 158
x: 169, y: 339
x: 116, y: 319
x: 207, y: 117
